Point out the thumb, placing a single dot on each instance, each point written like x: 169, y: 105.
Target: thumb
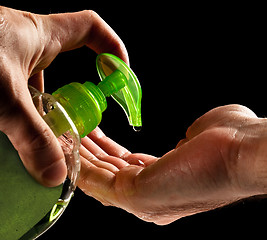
x: 35, y: 142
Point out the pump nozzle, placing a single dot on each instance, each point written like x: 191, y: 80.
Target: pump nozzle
x: 119, y: 81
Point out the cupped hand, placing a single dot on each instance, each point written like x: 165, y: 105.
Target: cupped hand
x: 221, y: 160
x: 28, y: 44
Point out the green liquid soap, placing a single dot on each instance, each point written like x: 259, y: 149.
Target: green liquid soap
x: 21, y: 196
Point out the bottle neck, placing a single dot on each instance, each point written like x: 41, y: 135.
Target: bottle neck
x: 97, y: 94
x: 84, y: 104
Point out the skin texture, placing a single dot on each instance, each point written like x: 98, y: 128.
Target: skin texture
x: 28, y: 44
x: 221, y: 160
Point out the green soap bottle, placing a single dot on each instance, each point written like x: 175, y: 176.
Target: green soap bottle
x: 28, y: 209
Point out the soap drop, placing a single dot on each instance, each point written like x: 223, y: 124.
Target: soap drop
x: 137, y: 128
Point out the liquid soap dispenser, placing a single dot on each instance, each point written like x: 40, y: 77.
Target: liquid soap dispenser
x: 28, y: 209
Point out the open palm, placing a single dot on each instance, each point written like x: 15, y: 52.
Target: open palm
x: 206, y: 170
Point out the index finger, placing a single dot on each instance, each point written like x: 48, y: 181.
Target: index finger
x: 107, y: 145
x: 73, y: 30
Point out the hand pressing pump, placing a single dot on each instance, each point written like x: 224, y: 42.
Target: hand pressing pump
x: 28, y: 209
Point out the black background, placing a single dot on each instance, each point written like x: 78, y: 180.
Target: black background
x: 189, y: 59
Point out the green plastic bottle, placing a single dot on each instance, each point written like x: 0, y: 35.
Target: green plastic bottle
x: 28, y: 209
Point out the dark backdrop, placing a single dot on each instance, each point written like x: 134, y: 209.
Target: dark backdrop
x: 189, y: 58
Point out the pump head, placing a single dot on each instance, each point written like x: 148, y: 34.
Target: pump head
x: 128, y: 91
x: 85, y: 102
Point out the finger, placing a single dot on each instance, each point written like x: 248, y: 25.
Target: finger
x: 220, y: 117
x: 107, y: 144
x: 182, y: 142
x: 94, y: 150
x: 140, y: 159
x: 96, y: 181
x: 35, y: 142
x: 112, y: 148
x: 88, y: 156
x: 73, y: 30
x: 37, y: 81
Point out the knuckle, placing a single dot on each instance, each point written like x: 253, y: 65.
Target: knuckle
x: 91, y: 13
